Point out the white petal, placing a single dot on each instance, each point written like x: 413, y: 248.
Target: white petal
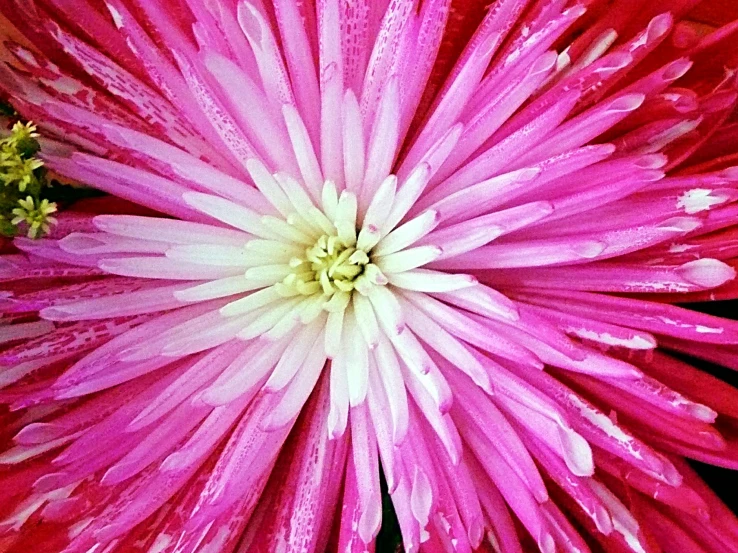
x: 293, y: 357
x: 424, y: 280
x: 407, y: 234
x: 406, y: 260
x: 220, y: 288
x: 366, y: 320
x: 249, y: 303
x: 357, y: 361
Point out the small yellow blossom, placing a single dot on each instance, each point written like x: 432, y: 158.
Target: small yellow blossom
x: 36, y: 216
x: 15, y: 170
x: 17, y: 156
x: 22, y: 133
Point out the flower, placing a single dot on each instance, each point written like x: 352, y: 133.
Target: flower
x: 17, y: 164
x: 23, y: 137
x: 37, y: 215
x: 428, y: 236
x: 23, y: 179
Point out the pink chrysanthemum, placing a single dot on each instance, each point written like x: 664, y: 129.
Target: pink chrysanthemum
x: 417, y: 234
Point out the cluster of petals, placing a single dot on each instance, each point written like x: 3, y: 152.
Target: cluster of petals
x: 428, y: 247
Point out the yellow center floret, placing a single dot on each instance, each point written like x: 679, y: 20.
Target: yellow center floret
x: 330, y: 265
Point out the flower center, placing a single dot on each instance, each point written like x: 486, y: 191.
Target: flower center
x: 319, y: 250
x: 330, y: 265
